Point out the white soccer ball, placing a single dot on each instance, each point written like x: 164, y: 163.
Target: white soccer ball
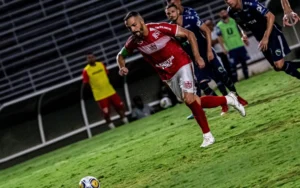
x: 89, y: 182
x: 165, y: 102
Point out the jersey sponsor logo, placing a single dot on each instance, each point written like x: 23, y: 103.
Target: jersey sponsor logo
x: 96, y: 72
x: 259, y: 9
x: 188, y: 84
x: 166, y: 64
x: 278, y: 52
x: 252, y: 21
x: 156, y: 34
x: 199, y: 23
x: 162, y: 27
x: 190, y: 17
x: 155, y: 46
x: 188, y: 12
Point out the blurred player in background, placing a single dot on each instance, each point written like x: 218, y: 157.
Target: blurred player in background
x: 253, y: 16
x: 232, y: 44
x: 204, y: 75
x: 217, y: 47
x: 187, y: 11
x: 140, y: 109
x: 213, y: 67
x: 183, y: 10
x: 155, y: 41
x: 290, y: 18
x: 95, y: 74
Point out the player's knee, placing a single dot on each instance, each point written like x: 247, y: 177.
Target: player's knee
x: 105, y: 111
x: 189, y: 98
x: 279, y: 64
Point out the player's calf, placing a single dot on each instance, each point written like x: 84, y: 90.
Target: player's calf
x: 230, y: 99
x: 288, y: 68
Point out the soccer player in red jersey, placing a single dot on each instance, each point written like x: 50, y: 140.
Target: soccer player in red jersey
x: 155, y: 41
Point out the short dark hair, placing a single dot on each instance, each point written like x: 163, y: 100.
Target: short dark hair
x: 131, y: 14
x: 171, y: 5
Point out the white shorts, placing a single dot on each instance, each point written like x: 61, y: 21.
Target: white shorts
x: 182, y: 82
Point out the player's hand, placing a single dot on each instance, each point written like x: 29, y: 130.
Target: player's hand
x: 200, y: 62
x: 245, y: 40
x: 263, y: 45
x: 290, y: 19
x: 210, y: 55
x: 123, y: 71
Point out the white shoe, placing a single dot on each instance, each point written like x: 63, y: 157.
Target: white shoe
x: 208, y: 139
x: 125, y: 120
x: 233, y: 101
x: 111, y: 126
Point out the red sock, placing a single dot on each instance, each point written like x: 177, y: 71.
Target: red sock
x: 199, y: 116
x: 213, y: 101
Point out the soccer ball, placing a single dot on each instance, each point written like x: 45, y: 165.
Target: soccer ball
x: 165, y: 102
x: 89, y: 182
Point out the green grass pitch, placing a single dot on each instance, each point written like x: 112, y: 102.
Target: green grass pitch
x: 260, y: 150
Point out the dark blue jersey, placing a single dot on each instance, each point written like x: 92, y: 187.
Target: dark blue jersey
x: 252, y: 18
x: 188, y: 11
x: 193, y: 24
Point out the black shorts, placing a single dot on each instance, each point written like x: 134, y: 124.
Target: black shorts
x: 278, y: 48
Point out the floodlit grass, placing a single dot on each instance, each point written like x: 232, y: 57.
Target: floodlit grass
x: 260, y: 150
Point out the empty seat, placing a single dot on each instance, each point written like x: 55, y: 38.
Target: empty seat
x: 41, y: 28
x: 52, y: 7
x: 29, y: 17
x: 47, y: 39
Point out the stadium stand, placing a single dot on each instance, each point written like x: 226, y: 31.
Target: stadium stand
x: 44, y: 42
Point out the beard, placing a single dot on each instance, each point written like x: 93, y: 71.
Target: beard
x: 174, y: 19
x: 139, y: 34
x: 224, y: 17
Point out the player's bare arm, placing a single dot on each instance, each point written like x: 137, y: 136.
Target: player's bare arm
x: 289, y: 14
x: 190, y: 36
x: 221, y: 42
x: 214, y: 42
x: 263, y: 45
x: 121, y: 61
x: 244, y: 36
x: 207, y: 32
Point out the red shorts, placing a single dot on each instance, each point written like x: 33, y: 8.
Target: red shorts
x: 114, y: 99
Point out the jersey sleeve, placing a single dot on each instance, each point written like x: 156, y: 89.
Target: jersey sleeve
x: 166, y: 28
x: 85, y: 77
x: 254, y: 4
x: 130, y: 46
